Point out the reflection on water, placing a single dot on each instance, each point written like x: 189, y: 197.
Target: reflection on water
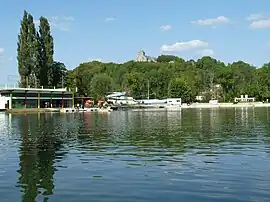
x: 192, y: 154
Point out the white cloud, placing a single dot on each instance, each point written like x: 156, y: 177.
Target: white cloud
x: 184, y: 46
x: 165, y: 27
x: 2, y: 50
x: 255, y: 16
x: 259, y: 20
x: 109, y: 19
x: 61, y: 23
x: 260, y: 24
x: 212, y: 21
x: 206, y: 52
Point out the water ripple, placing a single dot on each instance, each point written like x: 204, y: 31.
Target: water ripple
x: 195, y: 155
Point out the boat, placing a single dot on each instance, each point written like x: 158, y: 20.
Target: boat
x: 168, y: 103
x: 119, y: 99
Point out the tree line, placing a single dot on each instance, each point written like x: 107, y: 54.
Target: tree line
x: 170, y: 76
x: 35, y: 50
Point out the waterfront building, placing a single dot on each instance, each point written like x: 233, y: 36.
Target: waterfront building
x: 35, y: 98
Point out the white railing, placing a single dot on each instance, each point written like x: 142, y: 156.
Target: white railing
x: 16, y: 87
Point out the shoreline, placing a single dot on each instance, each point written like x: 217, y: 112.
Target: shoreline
x: 155, y: 108
x: 225, y: 105
x: 31, y: 110
x: 207, y: 106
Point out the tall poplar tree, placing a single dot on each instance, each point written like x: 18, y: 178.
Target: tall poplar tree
x: 27, y: 50
x: 22, y: 50
x: 33, y: 53
x: 46, y: 51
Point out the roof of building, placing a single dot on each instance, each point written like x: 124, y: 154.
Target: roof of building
x: 34, y: 90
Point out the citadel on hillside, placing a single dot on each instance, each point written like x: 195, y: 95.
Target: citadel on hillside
x: 141, y: 57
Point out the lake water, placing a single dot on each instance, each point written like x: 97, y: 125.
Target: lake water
x: 192, y: 155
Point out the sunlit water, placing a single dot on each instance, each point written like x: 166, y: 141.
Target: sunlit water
x: 192, y: 155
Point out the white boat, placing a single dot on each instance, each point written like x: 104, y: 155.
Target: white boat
x: 120, y: 98
x: 169, y: 103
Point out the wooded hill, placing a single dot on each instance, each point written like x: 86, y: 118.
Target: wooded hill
x: 170, y: 76
x: 173, y: 77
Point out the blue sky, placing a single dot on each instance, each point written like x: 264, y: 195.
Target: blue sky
x: 115, y: 30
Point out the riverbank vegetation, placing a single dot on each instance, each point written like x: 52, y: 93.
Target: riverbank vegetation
x: 170, y: 76
x: 35, y: 50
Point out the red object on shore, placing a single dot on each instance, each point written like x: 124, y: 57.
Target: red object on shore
x: 89, y: 101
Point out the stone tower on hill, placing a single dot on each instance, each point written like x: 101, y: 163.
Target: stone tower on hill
x: 141, y: 57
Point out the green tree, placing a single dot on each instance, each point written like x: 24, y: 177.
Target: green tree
x: 186, y: 79
x: 137, y: 83
x: 168, y: 58
x: 27, y: 51
x: 178, y: 87
x: 59, y: 74
x: 101, y: 84
x: 46, y: 51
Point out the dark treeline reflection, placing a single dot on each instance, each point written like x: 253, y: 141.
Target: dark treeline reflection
x: 41, y: 143
x: 45, y: 139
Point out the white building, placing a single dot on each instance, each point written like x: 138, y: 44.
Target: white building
x: 244, y: 99
x: 141, y: 57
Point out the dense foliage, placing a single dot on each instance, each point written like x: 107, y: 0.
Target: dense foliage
x: 170, y: 76
x: 35, y: 55
x: 186, y: 79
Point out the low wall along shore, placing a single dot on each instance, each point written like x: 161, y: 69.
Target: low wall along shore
x: 32, y: 110
x: 184, y: 105
x: 221, y: 105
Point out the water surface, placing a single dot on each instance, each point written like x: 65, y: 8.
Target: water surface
x: 192, y: 155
